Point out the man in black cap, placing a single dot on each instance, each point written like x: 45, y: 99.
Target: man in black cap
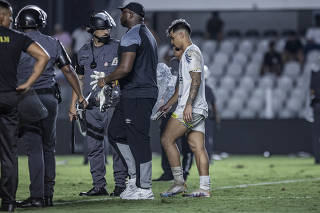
x: 12, y: 44
x: 129, y: 127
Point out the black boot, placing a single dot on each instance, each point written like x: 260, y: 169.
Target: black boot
x: 95, y: 192
x: 31, y: 202
x: 48, y: 201
x: 7, y: 207
x: 117, y: 191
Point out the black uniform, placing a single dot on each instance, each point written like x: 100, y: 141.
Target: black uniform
x: 12, y: 44
x: 315, y: 86
x: 129, y: 127
x: 40, y: 137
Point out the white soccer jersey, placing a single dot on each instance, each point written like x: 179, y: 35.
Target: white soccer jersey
x: 191, y: 61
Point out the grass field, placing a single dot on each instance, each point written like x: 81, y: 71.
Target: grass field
x: 278, y: 184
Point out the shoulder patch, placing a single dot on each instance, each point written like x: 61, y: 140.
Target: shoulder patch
x: 114, y: 61
x: 188, y: 55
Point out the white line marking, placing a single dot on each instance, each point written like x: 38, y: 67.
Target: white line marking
x: 265, y: 183
x: 218, y: 188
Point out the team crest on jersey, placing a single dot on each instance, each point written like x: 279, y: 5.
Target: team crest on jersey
x: 114, y: 61
x: 106, y: 64
x: 188, y: 56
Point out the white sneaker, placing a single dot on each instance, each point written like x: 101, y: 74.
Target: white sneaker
x: 131, y: 187
x: 141, y: 194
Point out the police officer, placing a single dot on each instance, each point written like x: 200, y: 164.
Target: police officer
x: 315, y: 104
x: 12, y: 44
x: 40, y: 136
x: 99, y: 57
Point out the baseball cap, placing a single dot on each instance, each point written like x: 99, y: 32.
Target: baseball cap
x: 134, y: 7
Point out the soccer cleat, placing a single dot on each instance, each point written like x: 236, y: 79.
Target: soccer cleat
x: 198, y: 193
x: 130, y: 188
x: 175, y: 189
x: 140, y: 194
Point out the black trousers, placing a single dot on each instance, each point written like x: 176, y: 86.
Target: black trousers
x: 129, y: 133
x: 316, y: 132
x: 187, y: 154
x: 8, y: 146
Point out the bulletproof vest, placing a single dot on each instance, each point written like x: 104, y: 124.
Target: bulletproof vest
x: 27, y: 62
x: 106, y: 61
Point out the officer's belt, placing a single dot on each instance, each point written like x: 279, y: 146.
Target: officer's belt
x: 44, y: 91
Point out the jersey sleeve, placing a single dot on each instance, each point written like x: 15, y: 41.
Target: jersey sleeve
x: 131, y: 41
x: 26, y: 42
x: 194, y: 61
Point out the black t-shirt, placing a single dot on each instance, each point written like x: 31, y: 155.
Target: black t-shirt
x: 12, y: 43
x: 141, y: 82
x: 293, y: 46
x: 272, y: 59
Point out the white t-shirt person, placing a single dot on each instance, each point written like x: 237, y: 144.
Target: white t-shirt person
x: 191, y: 61
x: 313, y: 34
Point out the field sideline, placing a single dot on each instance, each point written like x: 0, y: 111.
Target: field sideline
x: 240, y: 184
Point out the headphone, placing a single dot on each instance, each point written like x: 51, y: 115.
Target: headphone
x: 93, y: 64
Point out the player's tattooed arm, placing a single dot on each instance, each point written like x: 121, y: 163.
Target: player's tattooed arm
x: 195, y: 85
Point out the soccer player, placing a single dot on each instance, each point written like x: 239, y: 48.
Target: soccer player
x: 189, y: 116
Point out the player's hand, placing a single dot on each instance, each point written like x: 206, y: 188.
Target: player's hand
x: 23, y: 88
x: 72, y: 113
x: 187, y: 113
x: 83, y: 101
x: 165, y: 108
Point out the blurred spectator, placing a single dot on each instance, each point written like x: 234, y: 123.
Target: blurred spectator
x: 80, y: 37
x: 313, y: 36
x: 293, y: 50
x: 272, y: 62
x: 214, y: 27
x: 64, y: 37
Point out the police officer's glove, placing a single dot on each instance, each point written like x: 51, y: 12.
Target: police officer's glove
x: 94, y: 84
x: 96, y: 76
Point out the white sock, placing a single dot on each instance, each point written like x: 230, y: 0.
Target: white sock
x: 177, y: 174
x: 205, y: 183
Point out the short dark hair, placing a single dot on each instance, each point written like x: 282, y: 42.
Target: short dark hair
x: 5, y: 4
x: 179, y: 24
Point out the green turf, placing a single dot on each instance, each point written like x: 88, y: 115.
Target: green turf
x: 73, y: 177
